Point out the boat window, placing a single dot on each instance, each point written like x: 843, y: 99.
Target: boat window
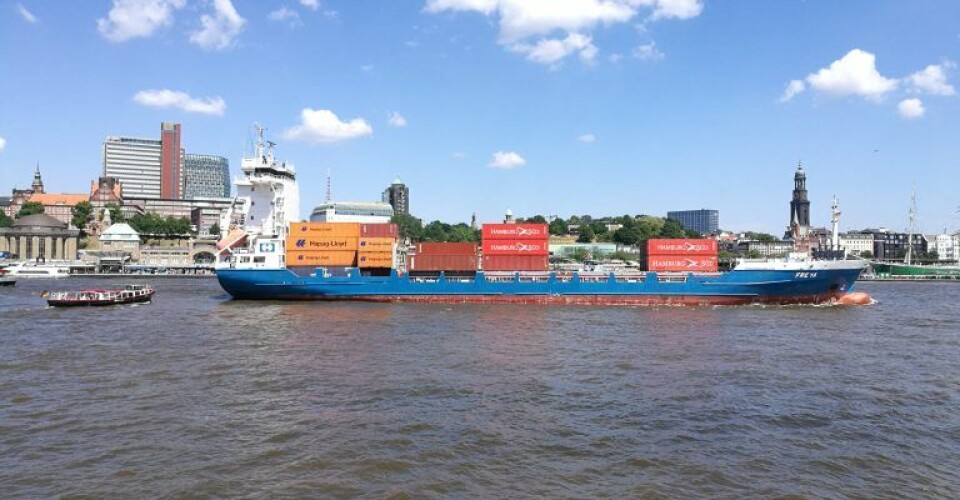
x: 259, y: 260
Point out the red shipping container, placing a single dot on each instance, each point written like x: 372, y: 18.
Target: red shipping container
x: 446, y: 249
x: 428, y: 262
x: 694, y: 263
x: 515, y: 232
x: 515, y: 247
x: 379, y: 231
x: 516, y: 263
x: 682, y: 247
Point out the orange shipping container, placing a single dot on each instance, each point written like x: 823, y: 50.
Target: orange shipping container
x: 433, y: 262
x: 682, y: 247
x: 515, y: 232
x: 318, y: 243
x: 516, y: 262
x: 332, y: 258
x: 375, y: 259
x: 682, y: 263
x: 325, y: 229
x: 515, y: 247
x: 376, y: 244
x: 446, y: 249
x: 379, y: 230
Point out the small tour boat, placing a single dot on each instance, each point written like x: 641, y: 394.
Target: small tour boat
x: 5, y: 278
x: 128, y: 295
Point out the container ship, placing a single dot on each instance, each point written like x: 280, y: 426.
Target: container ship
x: 267, y: 254
x: 334, y: 261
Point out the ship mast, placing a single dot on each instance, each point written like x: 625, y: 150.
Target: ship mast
x: 835, y: 221
x: 912, y: 216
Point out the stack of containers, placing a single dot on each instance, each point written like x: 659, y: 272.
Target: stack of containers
x: 448, y: 257
x: 377, y: 246
x: 515, y: 247
x: 322, y: 244
x: 681, y: 255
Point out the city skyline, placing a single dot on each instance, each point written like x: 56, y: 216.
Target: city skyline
x: 589, y: 107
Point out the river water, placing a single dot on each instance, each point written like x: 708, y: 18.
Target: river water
x: 199, y: 395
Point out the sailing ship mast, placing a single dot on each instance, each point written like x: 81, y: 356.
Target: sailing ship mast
x: 835, y: 222
x: 912, y: 216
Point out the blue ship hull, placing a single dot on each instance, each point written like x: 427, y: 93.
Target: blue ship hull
x: 731, y: 288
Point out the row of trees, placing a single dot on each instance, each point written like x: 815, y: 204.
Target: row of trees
x: 411, y: 227
x: 633, y: 229
x: 157, y: 225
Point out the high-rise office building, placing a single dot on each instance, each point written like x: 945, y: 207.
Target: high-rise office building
x: 205, y: 176
x: 398, y: 196
x: 702, y: 221
x: 147, y: 168
x: 171, y: 162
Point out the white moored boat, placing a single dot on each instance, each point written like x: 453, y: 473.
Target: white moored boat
x: 33, y: 270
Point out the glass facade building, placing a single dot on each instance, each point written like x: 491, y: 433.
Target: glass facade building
x: 205, y: 176
x: 702, y: 221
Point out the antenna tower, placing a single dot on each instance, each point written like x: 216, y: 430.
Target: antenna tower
x: 912, y: 216
x: 329, y: 190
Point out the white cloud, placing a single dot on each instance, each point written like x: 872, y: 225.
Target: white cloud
x: 521, y: 20
x: 588, y: 138
x: 793, y: 88
x: 506, y: 160
x: 853, y: 74
x: 396, y: 119
x: 648, y: 52
x: 181, y: 100
x: 284, y: 14
x: 3, y: 143
x: 366, y: 68
x: 26, y: 14
x: 550, y: 51
x: 312, y: 4
x: 137, y: 18
x: 911, y: 108
x: 672, y: 9
x: 322, y: 125
x: 482, y: 6
x: 932, y: 80
x: 220, y: 30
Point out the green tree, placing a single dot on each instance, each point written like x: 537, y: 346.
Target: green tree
x: 586, y: 234
x: 598, y: 227
x: 672, y: 229
x: 215, y: 229
x: 559, y: 227
x: 82, y: 213
x: 30, y: 208
x: 580, y: 254
x: 410, y: 226
x: 116, y: 215
x: 762, y: 237
x: 461, y: 233
x: 866, y: 254
x: 436, y: 231
x: 536, y: 219
x: 5, y: 220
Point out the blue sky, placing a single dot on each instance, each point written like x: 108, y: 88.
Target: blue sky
x: 542, y: 106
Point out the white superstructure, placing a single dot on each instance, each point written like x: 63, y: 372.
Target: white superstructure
x: 267, y: 201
